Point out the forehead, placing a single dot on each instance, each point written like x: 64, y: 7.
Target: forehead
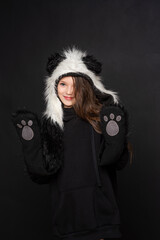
x: 67, y: 79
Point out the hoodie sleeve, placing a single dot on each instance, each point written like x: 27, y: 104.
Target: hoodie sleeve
x: 113, y: 120
x: 32, y: 134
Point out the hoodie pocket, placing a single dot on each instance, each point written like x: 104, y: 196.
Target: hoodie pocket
x: 106, y: 211
x: 75, y: 211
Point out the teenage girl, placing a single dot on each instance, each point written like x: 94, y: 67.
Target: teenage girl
x: 77, y: 147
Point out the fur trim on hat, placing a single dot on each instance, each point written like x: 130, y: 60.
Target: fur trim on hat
x: 70, y: 62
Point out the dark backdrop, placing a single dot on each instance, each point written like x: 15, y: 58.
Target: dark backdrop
x: 124, y: 35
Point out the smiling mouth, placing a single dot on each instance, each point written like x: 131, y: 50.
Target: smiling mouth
x: 68, y: 98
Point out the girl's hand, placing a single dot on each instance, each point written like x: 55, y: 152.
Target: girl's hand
x: 113, y: 123
x: 26, y: 124
x: 114, y: 129
x: 41, y: 164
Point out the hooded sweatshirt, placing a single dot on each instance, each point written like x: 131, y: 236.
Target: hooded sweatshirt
x: 82, y: 210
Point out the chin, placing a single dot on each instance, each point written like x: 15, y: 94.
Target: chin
x: 67, y: 104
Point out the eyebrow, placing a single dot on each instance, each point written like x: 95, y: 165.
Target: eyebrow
x: 62, y: 81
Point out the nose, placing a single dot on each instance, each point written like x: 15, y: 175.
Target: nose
x: 69, y: 90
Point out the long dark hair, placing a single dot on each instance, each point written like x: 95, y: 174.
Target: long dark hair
x: 87, y: 105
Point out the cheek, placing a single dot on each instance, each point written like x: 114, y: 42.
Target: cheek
x: 59, y: 90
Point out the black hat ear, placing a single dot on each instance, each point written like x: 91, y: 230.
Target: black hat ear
x: 92, y: 64
x: 53, y: 62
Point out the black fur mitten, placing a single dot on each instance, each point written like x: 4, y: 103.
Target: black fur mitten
x: 27, y: 126
x: 114, y: 129
x: 29, y: 130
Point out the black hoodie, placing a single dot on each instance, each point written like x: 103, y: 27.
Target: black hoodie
x: 81, y: 208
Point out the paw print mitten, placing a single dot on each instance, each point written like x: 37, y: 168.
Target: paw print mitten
x: 113, y: 126
x: 28, y: 128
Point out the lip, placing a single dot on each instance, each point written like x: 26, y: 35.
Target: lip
x: 68, y: 98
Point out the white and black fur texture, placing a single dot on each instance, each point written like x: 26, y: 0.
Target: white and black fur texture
x: 71, y: 62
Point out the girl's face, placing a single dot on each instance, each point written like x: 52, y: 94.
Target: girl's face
x: 66, y: 91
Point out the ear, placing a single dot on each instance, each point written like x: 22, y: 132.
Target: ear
x: 53, y: 62
x: 92, y: 64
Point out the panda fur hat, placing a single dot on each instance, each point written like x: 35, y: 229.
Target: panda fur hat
x: 71, y: 62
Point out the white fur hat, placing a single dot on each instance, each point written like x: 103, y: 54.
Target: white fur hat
x: 71, y: 62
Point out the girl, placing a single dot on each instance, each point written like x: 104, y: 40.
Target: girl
x: 77, y: 147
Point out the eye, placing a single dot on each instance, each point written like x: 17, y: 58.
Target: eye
x: 62, y: 84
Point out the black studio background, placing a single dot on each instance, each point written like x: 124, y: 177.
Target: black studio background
x: 125, y: 36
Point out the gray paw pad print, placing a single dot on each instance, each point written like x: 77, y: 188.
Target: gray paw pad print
x: 27, y: 132
x: 112, y: 127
